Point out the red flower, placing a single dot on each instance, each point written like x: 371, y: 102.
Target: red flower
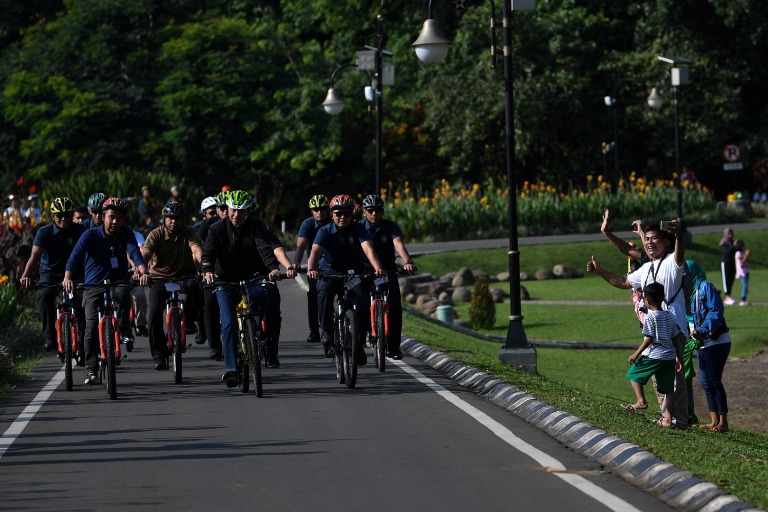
x: 20, y: 182
x: 32, y: 189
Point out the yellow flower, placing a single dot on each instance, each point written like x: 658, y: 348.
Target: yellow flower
x: 3, y: 279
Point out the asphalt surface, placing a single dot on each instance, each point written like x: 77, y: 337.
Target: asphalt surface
x: 406, y: 439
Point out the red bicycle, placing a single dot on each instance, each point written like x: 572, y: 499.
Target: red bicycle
x: 175, y: 324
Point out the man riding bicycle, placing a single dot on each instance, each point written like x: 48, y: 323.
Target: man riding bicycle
x: 51, y: 248
x: 173, y: 250
x: 340, y: 246
x: 95, y: 203
x: 307, y: 232
x: 234, y: 251
x: 387, y: 238
x: 103, y: 253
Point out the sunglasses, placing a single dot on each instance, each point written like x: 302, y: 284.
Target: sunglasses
x: 210, y: 213
x: 374, y: 210
x: 343, y: 213
x: 63, y: 215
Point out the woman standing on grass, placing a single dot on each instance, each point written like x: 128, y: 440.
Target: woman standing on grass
x: 727, y: 264
x: 711, y: 331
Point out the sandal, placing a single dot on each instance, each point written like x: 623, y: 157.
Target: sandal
x: 633, y: 408
x: 660, y: 422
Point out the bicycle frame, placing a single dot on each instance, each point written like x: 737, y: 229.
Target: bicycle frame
x: 172, y: 305
x: 380, y: 294
x: 107, y: 314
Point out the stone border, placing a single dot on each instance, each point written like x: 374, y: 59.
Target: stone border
x: 676, y: 487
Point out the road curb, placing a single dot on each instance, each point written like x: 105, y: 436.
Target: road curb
x: 676, y: 487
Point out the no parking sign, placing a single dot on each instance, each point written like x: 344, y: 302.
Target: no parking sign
x: 732, y: 157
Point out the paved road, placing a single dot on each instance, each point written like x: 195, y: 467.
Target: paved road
x: 408, y: 439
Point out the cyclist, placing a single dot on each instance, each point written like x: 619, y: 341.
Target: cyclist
x: 234, y: 251
x: 340, y: 246
x: 103, y: 253
x: 51, y: 248
x: 208, y: 210
x: 172, y: 250
x: 95, y: 203
x: 33, y: 214
x: 387, y: 238
x: 307, y: 232
x: 81, y: 214
x: 211, y: 322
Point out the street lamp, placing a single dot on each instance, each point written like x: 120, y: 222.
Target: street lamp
x: 432, y: 47
x: 678, y: 76
x: 333, y: 104
x: 611, y: 101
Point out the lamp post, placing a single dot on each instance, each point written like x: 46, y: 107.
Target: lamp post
x: 611, y: 101
x: 432, y: 47
x: 333, y: 104
x: 678, y: 77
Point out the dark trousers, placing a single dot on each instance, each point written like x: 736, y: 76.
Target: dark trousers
x: 92, y: 301
x: 312, y: 314
x: 326, y: 291
x: 158, y: 342
x: 211, y: 318
x: 274, y: 318
x: 711, y: 364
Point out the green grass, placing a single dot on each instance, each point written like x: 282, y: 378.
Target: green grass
x: 736, y: 462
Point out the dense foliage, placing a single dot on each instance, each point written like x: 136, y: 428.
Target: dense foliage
x: 229, y: 91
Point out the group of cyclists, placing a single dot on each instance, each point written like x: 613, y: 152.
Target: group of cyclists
x: 228, y: 245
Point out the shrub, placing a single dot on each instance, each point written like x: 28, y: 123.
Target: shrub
x: 482, y: 310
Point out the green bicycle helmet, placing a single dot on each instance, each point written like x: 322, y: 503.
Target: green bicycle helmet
x: 318, y: 201
x: 96, y: 201
x: 221, y: 198
x: 62, y: 205
x: 239, y: 200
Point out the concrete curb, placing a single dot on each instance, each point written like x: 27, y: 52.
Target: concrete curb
x: 676, y: 487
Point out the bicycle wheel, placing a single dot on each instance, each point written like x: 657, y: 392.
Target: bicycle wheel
x: 66, y: 341
x: 254, y: 345
x: 351, y: 347
x: 176, y: 339
x: 109, y: 340
x: 243, y: 371
x: 380, y: 348
x: 338, y: 343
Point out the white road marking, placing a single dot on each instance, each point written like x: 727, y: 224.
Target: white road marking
x: 609, y: 500
x: 23, y: 419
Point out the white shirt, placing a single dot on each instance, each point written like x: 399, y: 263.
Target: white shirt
x: 670, y: 275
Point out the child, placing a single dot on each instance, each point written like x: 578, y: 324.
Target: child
x: 659, y: 355
x: 742, y: 269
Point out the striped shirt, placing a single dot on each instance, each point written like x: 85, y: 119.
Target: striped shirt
x: 660, y: 325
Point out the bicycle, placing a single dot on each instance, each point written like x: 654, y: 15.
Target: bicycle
x: 250, y: 349
x: 347, y: 344
x: 66, y: 333
x: 109, y: 336
x: 378, y: 332
x: 175, y: 324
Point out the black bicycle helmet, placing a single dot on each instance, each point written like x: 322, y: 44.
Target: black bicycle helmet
x: 173, y: 210
x: 62, y: 205
x: 373, y: 201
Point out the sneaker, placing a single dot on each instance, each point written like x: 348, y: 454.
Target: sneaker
x: 728, y: 301
x: 215, y: 355
x: 90, y: 376
x: 126, y: 340
x: 51, y: 345
x: 395, y: 353
x: 362, y: 358
x: 200, y: 338
x: 326, y: 338
x: 142, y: 331
x: 744, y: 303
x: 230, y: 379
x: 273, y: 362
x: 313, y: 337
x: 328, y: 350
x: 160, y: 365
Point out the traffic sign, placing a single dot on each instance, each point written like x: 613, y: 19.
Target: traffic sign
x: 731, y: 153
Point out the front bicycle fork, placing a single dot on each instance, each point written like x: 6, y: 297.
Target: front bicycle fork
x: 72, y: 334
x: 115, y: 334
x: 374, y: 332
x: 169, y: 311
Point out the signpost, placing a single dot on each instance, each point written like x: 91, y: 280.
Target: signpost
x: 732, y: 158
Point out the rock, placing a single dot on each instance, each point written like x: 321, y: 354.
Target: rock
x: 463, y: 277
x: 496, y: 294
x: 445, y: 297
x: 503, y: 277
x: 448, y: 277
x: 421, y: 300
x: 524, y: 295
x: 410, y: 298
x: 461, y: 294
x: 566, y: 272
x: 544, y: 274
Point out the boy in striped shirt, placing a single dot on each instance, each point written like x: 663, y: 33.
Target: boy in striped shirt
x: 660, y: 354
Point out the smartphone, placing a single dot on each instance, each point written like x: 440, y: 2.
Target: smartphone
x: 664, y: 225
x: 635, y: 227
